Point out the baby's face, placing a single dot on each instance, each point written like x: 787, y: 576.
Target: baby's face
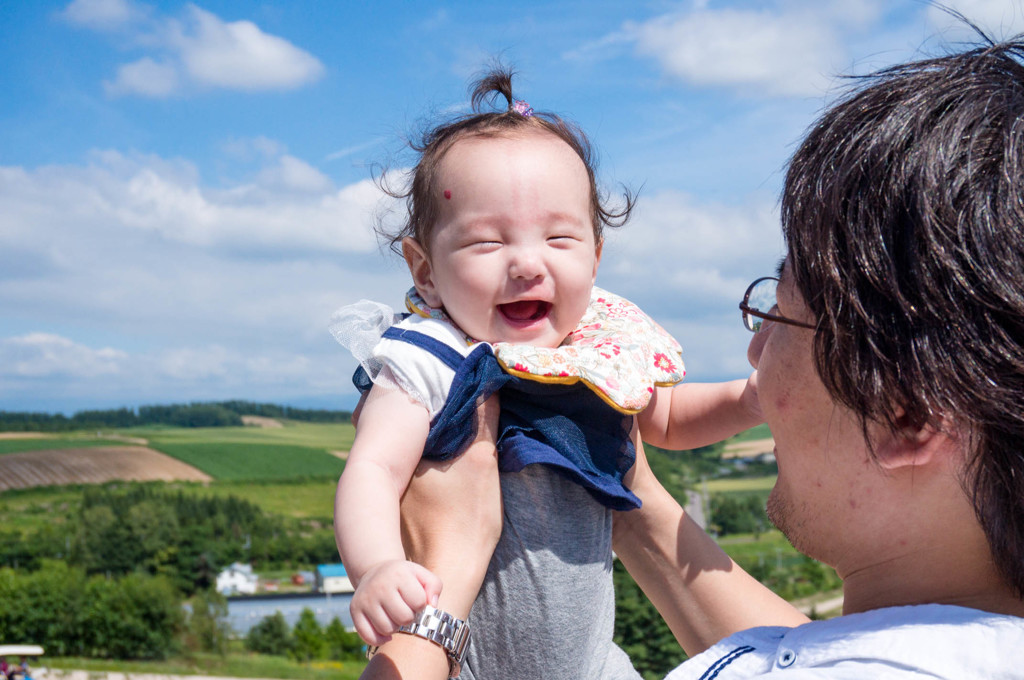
x: 513, y: 256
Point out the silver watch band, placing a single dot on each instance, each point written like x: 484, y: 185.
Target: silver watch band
x: 444, y: 630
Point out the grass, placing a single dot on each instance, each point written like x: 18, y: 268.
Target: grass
x: 252, y: 461
x: 759, y: 432
x: 236, y: 665
x: 324, y: 436
x: 745, y: 545
x: 28, y: 510
x: 305, y: 499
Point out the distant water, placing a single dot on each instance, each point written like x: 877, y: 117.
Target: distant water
x: 246, y: 612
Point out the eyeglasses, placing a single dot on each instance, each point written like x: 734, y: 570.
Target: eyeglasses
x: 759, y: 303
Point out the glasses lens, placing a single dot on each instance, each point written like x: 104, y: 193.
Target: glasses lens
x: 762, y: 296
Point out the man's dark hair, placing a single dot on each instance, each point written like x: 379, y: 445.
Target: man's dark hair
x: 903, y: 210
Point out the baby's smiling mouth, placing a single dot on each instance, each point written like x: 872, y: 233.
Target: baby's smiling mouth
x: 525, y: 310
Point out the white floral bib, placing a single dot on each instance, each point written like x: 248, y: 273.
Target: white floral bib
x: 616, y: 350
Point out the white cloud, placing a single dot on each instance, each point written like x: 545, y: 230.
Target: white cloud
x: 52, y: 363
x: 37, y: 355
x: 238, y: 55
x: 103, y: 15
x: 144, y: 77
x: 196, y: 52
x: 218, y: 292
x: 290, y: 205
x: 247, y: 149
x: 293, y: 174
x: 686, y: 262
x: 673, y: 232
x: 768, y: 52
x: 999, y: 18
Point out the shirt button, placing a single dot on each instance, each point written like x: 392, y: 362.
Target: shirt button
x: 786, y: 658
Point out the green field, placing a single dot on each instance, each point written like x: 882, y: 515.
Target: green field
x: 326, y: 437
x: 285, y: 471
x: 303, y: 499
x: 759, y: 432
x: 233, y: 461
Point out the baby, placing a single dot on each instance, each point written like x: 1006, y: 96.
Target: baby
x: 503, y: 243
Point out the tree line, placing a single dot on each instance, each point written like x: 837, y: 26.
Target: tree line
x: 188, y: 539
x: 72, y: 614
x: 195, y: 414
x: 307, y: 641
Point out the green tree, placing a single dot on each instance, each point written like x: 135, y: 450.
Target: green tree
x: 343, y: 645
x: 135, y: 617
x: 309, y: 642
x: 270, y: 636
x: 206, y: 629
x: 737, y: 515
x: 640, y: 630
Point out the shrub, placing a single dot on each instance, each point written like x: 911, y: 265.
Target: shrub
x: 308, y: 638
x: 270, y: 636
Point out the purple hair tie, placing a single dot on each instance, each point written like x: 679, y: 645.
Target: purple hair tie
x: 522, y: 108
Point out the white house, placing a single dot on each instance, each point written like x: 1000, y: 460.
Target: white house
x: 237, y: 579
x: 332, y: 578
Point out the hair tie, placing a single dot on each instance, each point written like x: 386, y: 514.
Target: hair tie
x: 522, y: 108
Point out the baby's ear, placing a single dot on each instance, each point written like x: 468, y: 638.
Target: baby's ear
x: 422, y: 273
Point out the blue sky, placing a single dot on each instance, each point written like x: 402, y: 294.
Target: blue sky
x: 186, y: 194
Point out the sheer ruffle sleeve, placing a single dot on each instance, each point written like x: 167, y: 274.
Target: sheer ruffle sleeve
x: 392, y: 364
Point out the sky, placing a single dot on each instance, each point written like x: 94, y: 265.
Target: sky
x: 187, y: 189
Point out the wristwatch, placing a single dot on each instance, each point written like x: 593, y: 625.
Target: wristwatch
x: 444, y: 630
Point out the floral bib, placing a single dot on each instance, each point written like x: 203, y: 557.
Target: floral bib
x: 616, y: 350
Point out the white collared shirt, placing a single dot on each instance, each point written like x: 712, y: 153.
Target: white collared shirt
x: 925, y: 641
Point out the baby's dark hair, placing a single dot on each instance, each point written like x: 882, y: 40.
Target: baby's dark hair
x: 420, y: 195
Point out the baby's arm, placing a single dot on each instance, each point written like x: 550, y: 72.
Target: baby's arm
x: 690, y: 415
x: 388, y: 446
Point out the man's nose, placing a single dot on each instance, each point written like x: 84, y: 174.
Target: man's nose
x: 756, y: 345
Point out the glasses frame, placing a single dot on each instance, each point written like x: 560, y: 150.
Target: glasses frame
x: 750, y: 311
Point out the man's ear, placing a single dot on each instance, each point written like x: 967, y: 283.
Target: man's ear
x: 422, y: 272
x: 915, y: 446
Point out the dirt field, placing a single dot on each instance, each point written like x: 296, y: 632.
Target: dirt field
x: 91, y: 466
x: 24, y: 435
x: 750, y: 448
x: 260, y: 421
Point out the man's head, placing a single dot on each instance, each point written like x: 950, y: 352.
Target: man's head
x: 903, y: 210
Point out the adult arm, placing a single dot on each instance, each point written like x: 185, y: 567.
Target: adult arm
x: 700, y: 592
x: 451, y: 521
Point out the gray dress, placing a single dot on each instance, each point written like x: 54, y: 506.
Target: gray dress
x: 547, y: 606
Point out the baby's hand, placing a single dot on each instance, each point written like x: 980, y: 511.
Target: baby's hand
x: 389, y: 595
